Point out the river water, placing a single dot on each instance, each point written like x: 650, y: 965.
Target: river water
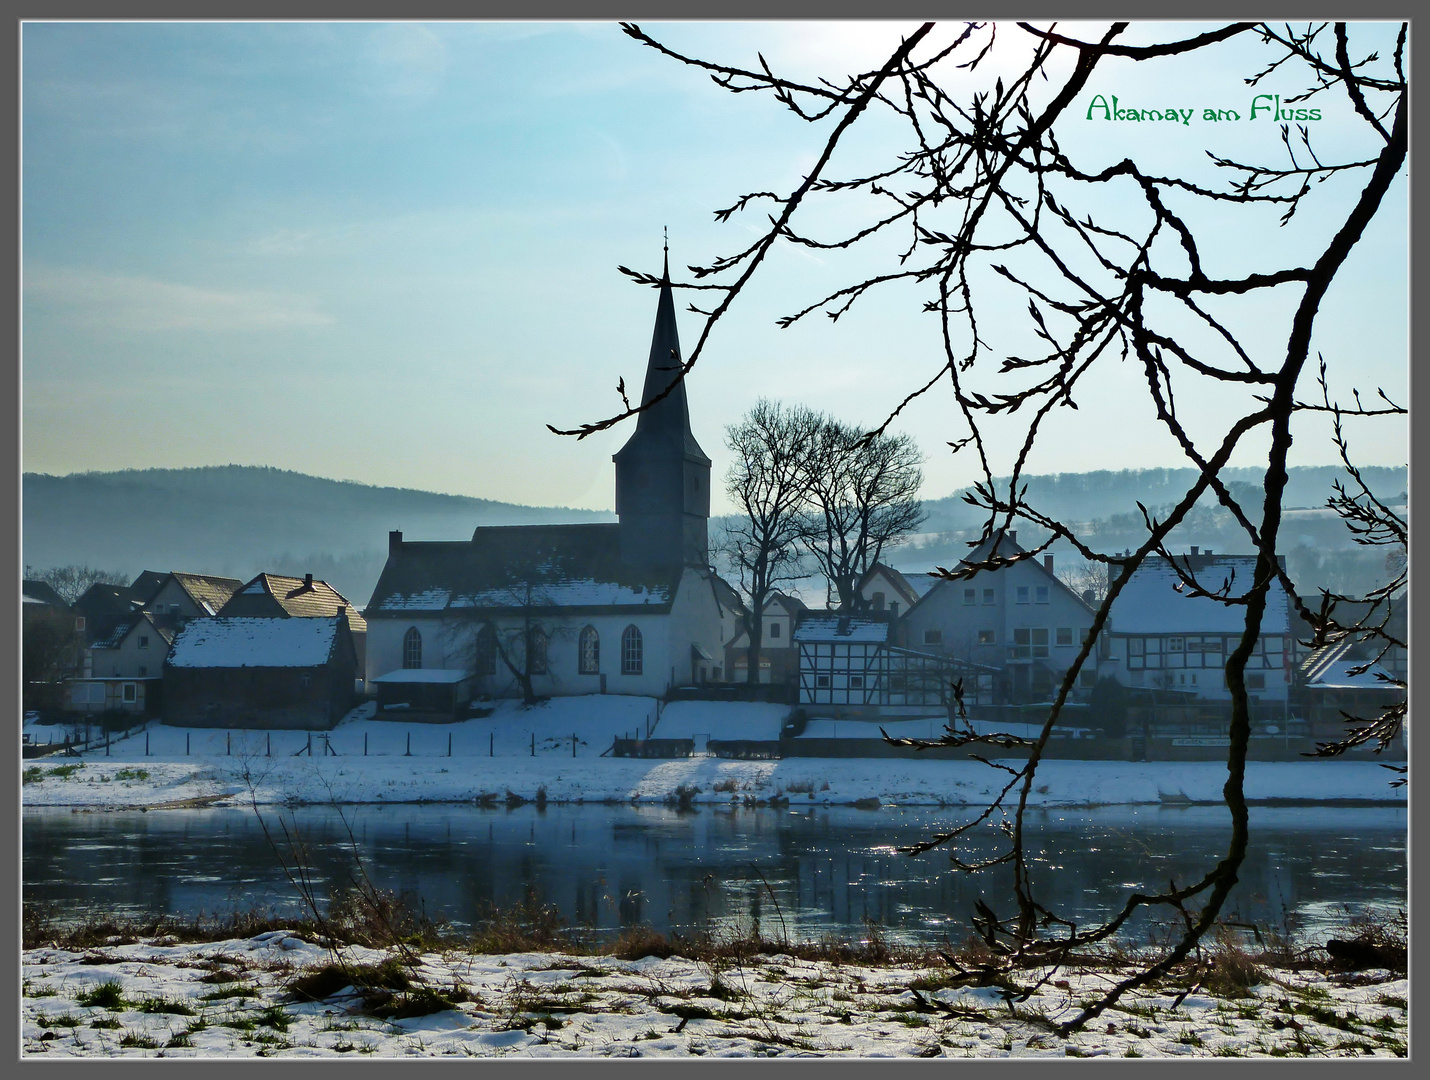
x: 806, y: 872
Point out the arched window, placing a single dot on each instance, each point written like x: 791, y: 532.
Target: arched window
x: 412, y: 648
x: 590, y: 662
x: 632, y: 652
x: 536, y: 652
x: 484, y: 659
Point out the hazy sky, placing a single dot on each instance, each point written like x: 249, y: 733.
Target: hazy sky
x: 387, y: 252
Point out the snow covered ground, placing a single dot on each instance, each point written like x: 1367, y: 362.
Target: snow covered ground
x: 525, y: 751
x: 227, y: 999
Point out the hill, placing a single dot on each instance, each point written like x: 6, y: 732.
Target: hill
x: 239, y: 520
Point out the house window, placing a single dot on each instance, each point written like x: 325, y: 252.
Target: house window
x: 988, y: 596
x: 933, y: 637
x: 1255, y: 682
x: 485, y: 651
x: 985, y: 637
x: 1022, y: 643
x: 1174, y: 644
x: 1040, y: 641
x: 632, y: 652
x: 411, y: 649
x: 1087, y: 678
x: 79, y: 622
x: 536, y: 652
x: 878, y: 601
x: 1064, y: 635
x: 590, y: 650
x: 856, y: 682
x: 143, y: 641
x: 822, y: 682
x: 1022, y: 594
x: 306, y: 679
x: 130, y: 695
x: 970, y: 597
x: 143, y: 670
x: 775, y: 628
x: 1040, y: 593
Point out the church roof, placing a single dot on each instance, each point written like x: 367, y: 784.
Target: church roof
x: 669, y: 419
x: 514, y: 568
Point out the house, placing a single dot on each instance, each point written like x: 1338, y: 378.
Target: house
x: 260, y: 673
x: 1164, y: 638
x: 181, y: 597
x: 779, y: 652
x: 851, y: 668
x: 631, y: 607
x: 125, y: 670
x: 102, y: 607
x: 35, y: 595
x: 1019, y: 620
x: 1339, y: 684
x: 882, y: 588
x: 274, y: 596
x: 52, y: 650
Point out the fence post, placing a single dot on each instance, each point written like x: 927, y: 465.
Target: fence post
x: 364, y: 744
x: 573, y: 744
x: 106, y: 745
x: 186, y: 743
x: 310, y: 744
x: 409, y: 745
x: 270, y: 744
x: 228, y: 736
x: 491, y: 744
x: 533, y: 744
x: 449, y: 744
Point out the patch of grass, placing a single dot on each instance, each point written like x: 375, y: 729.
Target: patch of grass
x: 139, y: 1042
x: 323, y: 982
x: 62, y: 772
x: 44, y: 990
x: 219, y: 977
x: 33, y: 775
x: 1190, y: 1038
x: 1132, y: 1052
x: 423, y: 1001
x: 132, y: 774
x: 231, y: 991
x: 107, y: 995
x: 106, y: 1023
x: 638, y: 942
x: 180, y: 1040
x: 68, y: 1020
x: 274, y: 1016
x: 167, y: 1006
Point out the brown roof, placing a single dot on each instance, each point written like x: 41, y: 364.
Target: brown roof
x: 901, y: 584
x: 279, y: 596
x: 207, y: 590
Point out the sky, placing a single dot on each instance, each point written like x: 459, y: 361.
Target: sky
x: 387, y: 252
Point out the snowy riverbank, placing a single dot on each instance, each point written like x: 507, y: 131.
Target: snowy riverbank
x: 527, y: 752
x: 227, y: 999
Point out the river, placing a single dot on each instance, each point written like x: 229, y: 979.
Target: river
x: 806, y: 872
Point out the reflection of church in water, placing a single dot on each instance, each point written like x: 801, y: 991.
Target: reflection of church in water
x: 631, y: 607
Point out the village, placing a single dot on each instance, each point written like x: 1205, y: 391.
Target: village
x: 635, y: 611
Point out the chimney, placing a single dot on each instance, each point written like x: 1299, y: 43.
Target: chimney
x: 1194, y: 550
x: 308, y: 582
x: 1048, y: 563
x: 1206, y: 551
x: 394, y: 542
x: 1012, y: 536
x: 1089, y: 595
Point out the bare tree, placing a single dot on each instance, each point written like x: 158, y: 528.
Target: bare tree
x: 73, y: 581
x: 863, y: 499
x: 1115, y: 265
x: 50, y: 653
x: 1086, y: 578
x: 767, y: 482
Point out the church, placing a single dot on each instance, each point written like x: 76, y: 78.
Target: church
x: 631, y: 607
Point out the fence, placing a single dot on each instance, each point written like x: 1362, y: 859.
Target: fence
x: 653, y: 748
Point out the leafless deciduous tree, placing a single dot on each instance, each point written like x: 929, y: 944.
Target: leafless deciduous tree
x: 1115, y: 264
x: 767, y: 483
x: 73, y: 581
x: 863, y: 498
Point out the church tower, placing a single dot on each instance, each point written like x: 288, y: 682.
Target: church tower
x: 662, y: 475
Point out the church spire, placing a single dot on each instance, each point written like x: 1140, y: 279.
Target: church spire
x: 671, y: 415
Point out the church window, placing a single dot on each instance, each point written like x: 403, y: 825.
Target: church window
x: 632, y: 652
x: 590, y: 651
x: 485, y: 656
x: 536, y: 652
x: 411, y: 648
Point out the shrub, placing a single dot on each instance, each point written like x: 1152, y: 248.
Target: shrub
x: 107, y: 995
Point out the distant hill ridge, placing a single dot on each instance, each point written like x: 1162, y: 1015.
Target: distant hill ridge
x: 238, y: 520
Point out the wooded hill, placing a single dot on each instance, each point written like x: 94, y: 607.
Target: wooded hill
x: 239, y: 520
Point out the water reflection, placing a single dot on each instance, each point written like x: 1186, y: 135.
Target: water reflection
x: 814, y: 871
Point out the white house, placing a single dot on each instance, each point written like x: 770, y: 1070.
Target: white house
x: 1019, y: 618
x: 631, y: 607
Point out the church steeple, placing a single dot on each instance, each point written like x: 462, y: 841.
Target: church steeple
x: 662, y: 475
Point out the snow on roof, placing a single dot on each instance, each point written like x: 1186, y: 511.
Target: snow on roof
x: 580, y: 593
x: 426, y: 600
x: 1149, y: 604
x: 852, y: 628
x: 1336, y: 676
x: 227, y: 642
x: 423, y: 675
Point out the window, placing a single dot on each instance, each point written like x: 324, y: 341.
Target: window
x: 590, y: 652
x: 536, y: 652
x: 1040, y: 641
x: 1022, y: 643
x: 933, y: 637
x: 1064, y: 635
x: 130, y: 695
x: 143, y: 671
x: 988, y: 596
x: 143, y: 641
x: 878, y: 601
x: 970, y: 597
x: 1022, y: 594
x: 632, y: 652
x: 1087, y: 678
x: 775, y: 629
x: 1041, y: 594
x: 822, y: 682
x: 79, y: 622
x: 1175, y: 644
x: 856, y: 682
x: 985, y: 637
x: 306, y: 679
x: 411, y: 649
x: 1255, y: 682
